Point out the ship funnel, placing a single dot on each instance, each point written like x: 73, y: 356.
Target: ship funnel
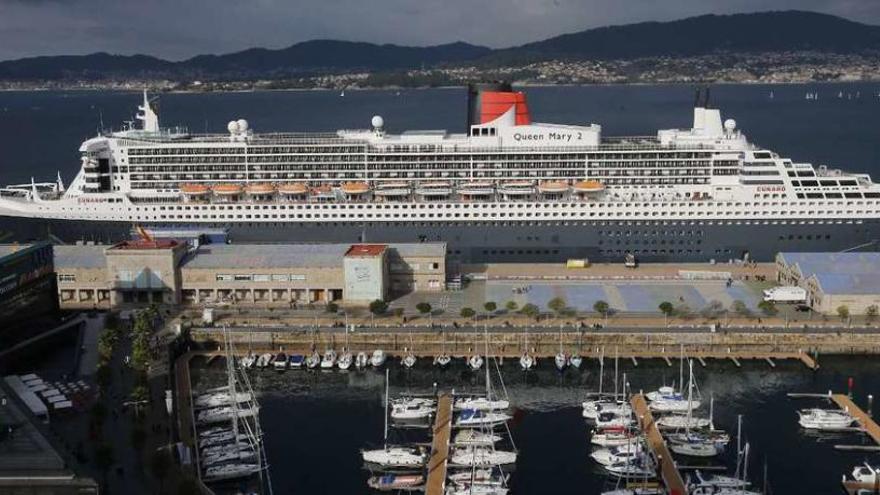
x: 488, y: 101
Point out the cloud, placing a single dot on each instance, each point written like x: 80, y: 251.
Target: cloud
x: 178, y: 29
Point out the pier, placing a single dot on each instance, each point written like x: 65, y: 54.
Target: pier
x: 436, y: 484
x: 668, y: 470
x: 508, y: 343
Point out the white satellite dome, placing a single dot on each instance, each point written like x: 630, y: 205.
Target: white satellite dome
x: 232, y: 126
x: 729, y: 125
x: 242, y: 125
x: 377, y: 121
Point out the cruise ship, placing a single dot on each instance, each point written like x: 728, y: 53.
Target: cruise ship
x: 507, y: 189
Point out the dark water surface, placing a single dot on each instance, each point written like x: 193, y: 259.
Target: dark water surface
x: 40, y: 132
x: 316, y: 422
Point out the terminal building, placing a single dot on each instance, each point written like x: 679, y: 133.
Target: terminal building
x: 833, y: 280
x: 260, y: 275
x: 27, y: 290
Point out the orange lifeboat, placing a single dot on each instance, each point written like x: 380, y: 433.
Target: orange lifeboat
x: 293, y: 188
x: 589, y: 187
x: 227, y: 189
x: 355, y: 187
x: 194, y: 189
x: 260, y: 189
x: 553, y: 187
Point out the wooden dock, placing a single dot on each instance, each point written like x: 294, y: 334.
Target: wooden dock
x: 668, y: 470
x: 865, y: 422
x: 436, y: 484
x: 855, y: 488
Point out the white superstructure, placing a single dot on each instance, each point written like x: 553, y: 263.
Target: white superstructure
x: 677, y: 186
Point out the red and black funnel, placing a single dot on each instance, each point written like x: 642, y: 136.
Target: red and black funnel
x: 488, y: 101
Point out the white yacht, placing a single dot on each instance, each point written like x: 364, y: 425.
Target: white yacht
x: 825, y: 419
x: 616, y: 455
x: 407, y: 412
x: 220, y: 399
x: 378, y: 358
x: 480, y: 404
x: 225, y: 413
x: 345, y: 360
x: 362, y: 360
x: 224, y: 472
x: 471, y: 418
x: 328, y: 362
x: 475, y: 437
x: 481, y: 457
x: 395, y: 457
x: 475, y: 362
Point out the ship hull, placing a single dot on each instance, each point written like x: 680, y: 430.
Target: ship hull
x: 513, y: 242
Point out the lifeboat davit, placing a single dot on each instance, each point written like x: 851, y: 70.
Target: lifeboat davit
x: 227, y: 189
x: 260, y: 189
x: 589, y: 187
x: 293, y: 189
x: 479, y: 188
x: 355, y: 187
x: 553, y: 187
x: 436, y: 189
x: 194, y: 189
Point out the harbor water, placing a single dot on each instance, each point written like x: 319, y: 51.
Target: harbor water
x: 317, y: 422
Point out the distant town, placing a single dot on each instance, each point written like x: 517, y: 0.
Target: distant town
x: 750, y: 68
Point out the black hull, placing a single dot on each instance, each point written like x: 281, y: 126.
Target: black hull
x: 518, y: 242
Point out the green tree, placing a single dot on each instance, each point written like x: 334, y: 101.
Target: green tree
x: 468, y: 312
x: 530, y: 310
x: 872, y: 311
x: 423, y: 308
x: 666, y: 308
x: 104, y: 375
x: 511, y: 306
x: 740, y: 308
x: 557, y: 305
x: 601, y: 307
x: 843, y: 312
x: 490, y: 306
x: 768, y: 308
x: 378, y: 307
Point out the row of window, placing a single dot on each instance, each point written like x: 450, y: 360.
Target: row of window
x: 259, y: 277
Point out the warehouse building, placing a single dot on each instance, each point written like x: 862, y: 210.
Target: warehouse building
x: 833, y: 280
x: 27, y: 291
x: 259, y: 275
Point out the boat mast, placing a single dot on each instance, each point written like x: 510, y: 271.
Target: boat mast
x: 687, y: 424
x: 601, y: 370
x: 486, y: 351
x: 386, y: 408
x: 680, y: 367
x: 615, y: 373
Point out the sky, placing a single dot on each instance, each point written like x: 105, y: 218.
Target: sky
x: 178, y: 29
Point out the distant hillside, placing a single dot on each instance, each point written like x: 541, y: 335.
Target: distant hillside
x: 301, y: 58
x: 767, y: 32
x: 787, y: 31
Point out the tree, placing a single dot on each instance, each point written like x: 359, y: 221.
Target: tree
x: 511, y: 306
x: 468, y: 312
x: 490, y: 306
x: 740, y: 308
x: 332, y: 307
x: 843, y: 312
x: 423, y: 308
x: 530, y: 310
x: 666, y: 308
x: 557, y: 305
x: 378, y: 307
x: 872, y: 311
x: 713, y: 310
x: 601, y: 307
x: 768, y: 308
x: 103, y: 375
x: 160, y: 463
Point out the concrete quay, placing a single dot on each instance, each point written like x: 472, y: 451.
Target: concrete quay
x: 766, y: 346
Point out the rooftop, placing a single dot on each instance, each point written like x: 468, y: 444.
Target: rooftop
x: 267, y: 256
x: 366, y: 250
x: 420, y: 249
x: 82, y: 256
x: 145, y: 244
x: 839, y: 273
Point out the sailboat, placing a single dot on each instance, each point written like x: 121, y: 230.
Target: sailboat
x: 328, y: 362
x: 361, y: 361
x: 695, y: 444
x: 526, y: 361
x: 561, y: 360
x: 728, y: 486
x: 409, y: 357
x: 487, y: 402
x: 592, y: 409
x: 345, y: 360
x: 313, y: 360
x: 672, y: 403
x: 443, y: 359
x: 390, y: 457
x: 475, y: 361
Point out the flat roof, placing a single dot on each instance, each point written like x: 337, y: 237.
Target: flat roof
x: 420, y: 249
x: 27, y: 452
x: 267, y: 256
x: 366, y: 250
x: 84, y: 256
x: 839, y: 273
x: 145, y: 244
